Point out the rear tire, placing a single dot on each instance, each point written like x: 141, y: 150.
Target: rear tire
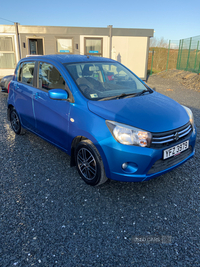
x: 15, y: 122
x: 89, y: 163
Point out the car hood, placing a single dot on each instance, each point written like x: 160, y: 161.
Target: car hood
x: 153, y: 112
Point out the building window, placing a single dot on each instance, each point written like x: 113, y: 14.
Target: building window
x: 7, y: 55
x: 64, y: 46
x: 94, y: 46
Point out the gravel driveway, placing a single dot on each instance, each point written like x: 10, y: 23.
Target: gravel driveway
x: 50, y: 217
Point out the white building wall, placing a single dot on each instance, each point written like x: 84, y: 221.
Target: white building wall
x: 131, y: 52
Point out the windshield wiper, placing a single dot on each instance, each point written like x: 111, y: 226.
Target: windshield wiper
x: 127, y: 95
x: 123, y: 95
x: 117, y: 96
x: 143, y: 92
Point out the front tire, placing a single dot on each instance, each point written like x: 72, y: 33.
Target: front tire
x: 89, y: 163
x: 15, y: 122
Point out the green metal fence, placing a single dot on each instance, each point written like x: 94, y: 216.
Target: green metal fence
x: 178, y: 54
x: 172, y: 54
x: 189, y: 54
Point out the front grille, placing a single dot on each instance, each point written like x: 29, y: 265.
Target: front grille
x: 162, y: 164
x: 160, y: 140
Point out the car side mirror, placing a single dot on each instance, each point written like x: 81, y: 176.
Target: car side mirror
x: 58, y: 94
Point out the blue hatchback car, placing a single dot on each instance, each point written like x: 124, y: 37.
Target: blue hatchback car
x: 99, y: 112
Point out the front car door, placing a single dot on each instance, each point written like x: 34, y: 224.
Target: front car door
x: 51, y: 115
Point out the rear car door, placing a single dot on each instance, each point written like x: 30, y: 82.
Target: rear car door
x: 24, y: 94
x: 51, y: 115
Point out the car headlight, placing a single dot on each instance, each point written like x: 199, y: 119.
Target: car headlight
x: 129, y: 135
x: 190, y: 114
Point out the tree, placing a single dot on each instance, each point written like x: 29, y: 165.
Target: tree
x: 158, y: 42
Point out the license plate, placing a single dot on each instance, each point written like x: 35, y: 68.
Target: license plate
x: 175, y: 150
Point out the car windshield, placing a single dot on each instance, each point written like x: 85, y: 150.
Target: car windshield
x: 105, y: 81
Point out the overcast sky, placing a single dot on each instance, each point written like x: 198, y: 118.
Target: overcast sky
x: 172, y: 19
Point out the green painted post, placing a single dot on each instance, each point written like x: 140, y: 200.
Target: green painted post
x: 188, y: 59
x: 178, y: 54
x: 168, y: 55
x: 152, y: 62
x: 195, y: 62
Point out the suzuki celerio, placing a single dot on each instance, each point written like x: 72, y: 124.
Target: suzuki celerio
x: 99, y: 112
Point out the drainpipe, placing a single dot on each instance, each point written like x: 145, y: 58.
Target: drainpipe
x: 110, y: 35
x: 17, y: 42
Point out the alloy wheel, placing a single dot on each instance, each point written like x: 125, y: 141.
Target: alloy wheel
x: 15, y: 123
x: 86, y: 163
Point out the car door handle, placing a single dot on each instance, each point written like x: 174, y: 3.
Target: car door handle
x: 37, y: 96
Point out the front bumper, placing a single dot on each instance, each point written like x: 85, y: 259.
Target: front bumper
x: 144, y: 163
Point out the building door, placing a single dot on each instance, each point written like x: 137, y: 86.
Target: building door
x: 36, y: 46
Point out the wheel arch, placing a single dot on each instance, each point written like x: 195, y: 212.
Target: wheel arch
x: 75, y: 142
x: 8, y: 111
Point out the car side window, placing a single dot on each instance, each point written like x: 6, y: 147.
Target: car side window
x: 17, y: 71
x: 50, y: 77
x: 26, y: 72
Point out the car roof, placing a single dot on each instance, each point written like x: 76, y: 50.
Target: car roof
x: 70, y: 58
